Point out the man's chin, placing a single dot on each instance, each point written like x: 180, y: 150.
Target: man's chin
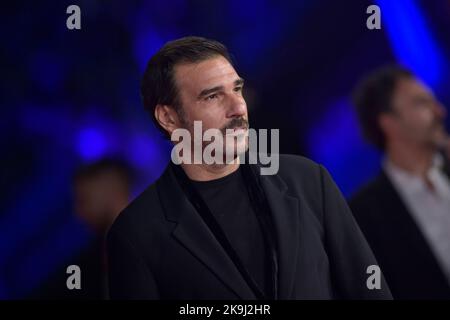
x: 440, y: 136
x: 233, y: 152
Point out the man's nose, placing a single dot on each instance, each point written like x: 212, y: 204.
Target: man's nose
x: 236, y: 107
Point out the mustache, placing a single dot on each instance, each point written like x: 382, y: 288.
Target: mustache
x: 235, y: 123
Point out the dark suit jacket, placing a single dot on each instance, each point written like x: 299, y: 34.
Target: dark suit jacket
x: 160, y: 248
x: 405, y: 257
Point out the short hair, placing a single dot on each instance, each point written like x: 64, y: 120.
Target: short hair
x: 158, y: 83
x: 372, y: 96
x: 106, y: 165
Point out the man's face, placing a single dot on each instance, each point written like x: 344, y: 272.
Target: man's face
x: 418, y: 115
x: 211, y: 91
x: 99, y: 199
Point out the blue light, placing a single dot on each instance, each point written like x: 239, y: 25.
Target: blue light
x: 38, y: 206
x: 92, y: 144
x: 146, y: 43
x: 64, y: 243
x: 47, y: 70
x: 411, y: 39
x: 336, y: 143
x: 261, y: 26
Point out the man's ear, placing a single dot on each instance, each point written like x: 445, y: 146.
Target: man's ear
x: 167, y: 117
x: 386, y: 122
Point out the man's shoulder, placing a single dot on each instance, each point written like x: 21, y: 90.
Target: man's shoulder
x: 146, y: 207
x: 369, y: 192
x: 298, y: 167
x: 302, y: 176
x: 297, y: 161
x: 141, y: 210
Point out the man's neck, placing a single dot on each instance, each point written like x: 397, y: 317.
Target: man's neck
x: 414, y: 159
x: 204, y: 172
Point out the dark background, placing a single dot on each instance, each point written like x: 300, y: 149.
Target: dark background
x: 70, y: 97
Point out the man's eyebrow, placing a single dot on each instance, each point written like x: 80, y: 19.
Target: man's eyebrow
x: 239, y: 82
x: 206, y: 92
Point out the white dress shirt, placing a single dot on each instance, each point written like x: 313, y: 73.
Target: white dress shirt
x: 429, y: 207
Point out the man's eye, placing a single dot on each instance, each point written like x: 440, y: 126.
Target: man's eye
x: 423, y: 102
x: 238, y: 89
x: 211, y: 97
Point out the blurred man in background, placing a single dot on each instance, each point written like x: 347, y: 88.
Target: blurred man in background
x: 101, y: 190
x: 405, y: 211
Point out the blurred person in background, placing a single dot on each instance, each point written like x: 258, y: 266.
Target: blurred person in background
x: 405, y: 211
x: 100, y: 191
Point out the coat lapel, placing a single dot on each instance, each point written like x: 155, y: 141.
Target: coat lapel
x: 194, y: 234
x: 285, y: 216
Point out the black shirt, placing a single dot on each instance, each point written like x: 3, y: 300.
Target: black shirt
x: 229, y: 202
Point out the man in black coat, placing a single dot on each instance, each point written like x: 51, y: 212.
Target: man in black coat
x: 405, y: 211
x: 225, y: 231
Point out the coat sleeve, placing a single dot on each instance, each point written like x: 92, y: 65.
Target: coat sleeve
x: 128, y: 275
x: 349, y: 254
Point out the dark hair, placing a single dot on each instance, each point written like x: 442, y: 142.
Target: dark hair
x: 373, y: 96
x: 158, y: 83
x: 105, y: 165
